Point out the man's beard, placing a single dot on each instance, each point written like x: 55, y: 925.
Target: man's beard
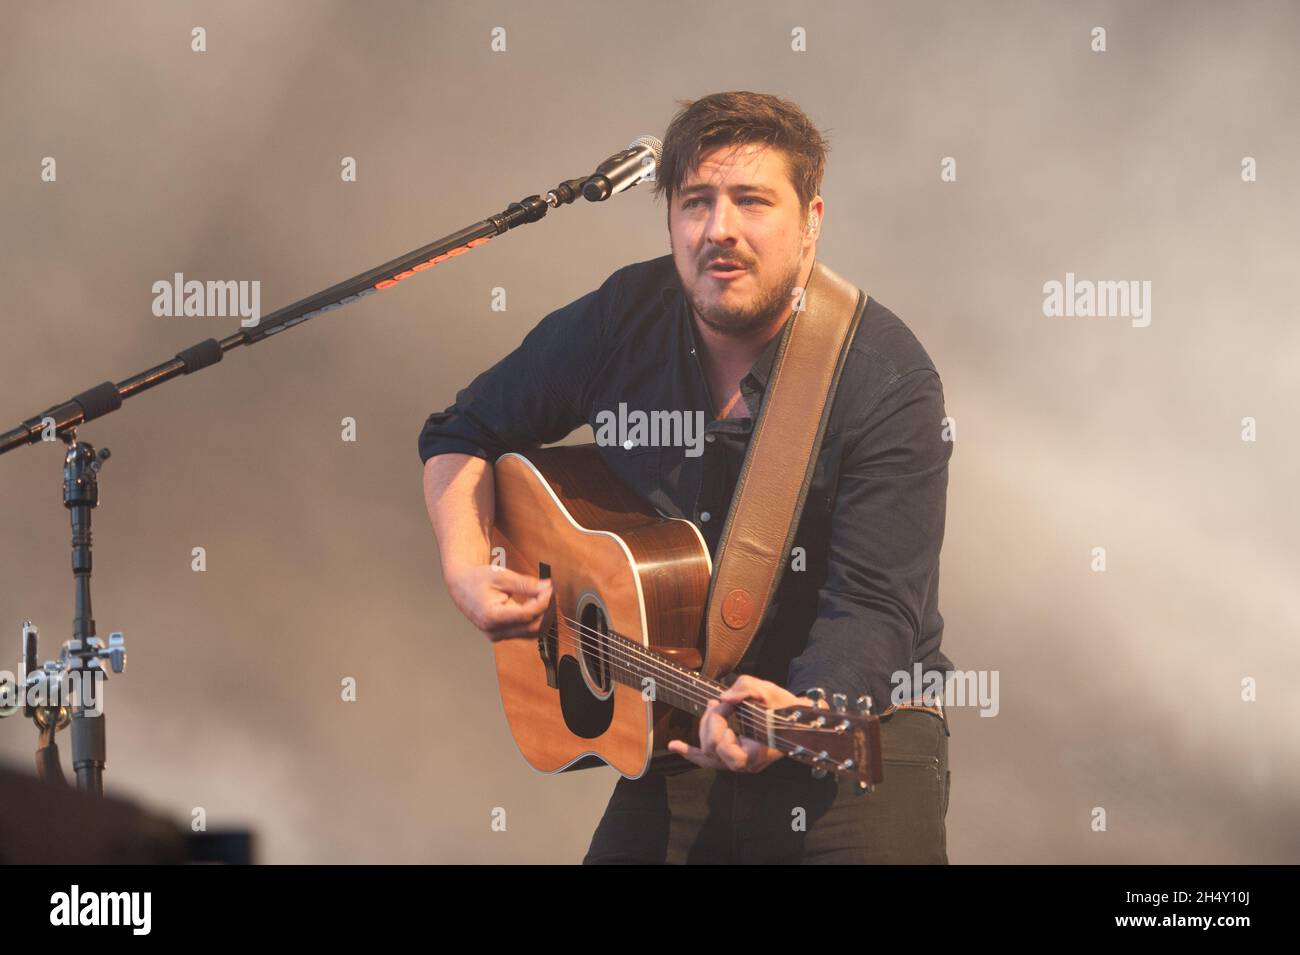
x: 752, y: 317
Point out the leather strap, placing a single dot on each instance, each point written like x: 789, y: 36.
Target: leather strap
x: 779, y: 466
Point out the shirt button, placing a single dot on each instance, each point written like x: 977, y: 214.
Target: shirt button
x: 709, y: 438
x: 629, y: 444
x: 704, y: 517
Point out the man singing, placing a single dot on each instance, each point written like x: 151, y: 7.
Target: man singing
x: 857, y: 607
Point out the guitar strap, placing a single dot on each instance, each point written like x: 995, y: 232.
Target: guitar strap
x: 779, y: 466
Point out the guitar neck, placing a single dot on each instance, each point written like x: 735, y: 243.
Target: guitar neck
x: 835, y: 740
x: 684, y: 689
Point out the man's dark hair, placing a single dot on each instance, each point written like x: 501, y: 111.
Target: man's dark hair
x: 739, y: 118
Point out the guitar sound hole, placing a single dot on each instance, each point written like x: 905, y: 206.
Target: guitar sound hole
x: 595, y: 654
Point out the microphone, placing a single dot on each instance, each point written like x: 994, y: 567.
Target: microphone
x: 623, y: 170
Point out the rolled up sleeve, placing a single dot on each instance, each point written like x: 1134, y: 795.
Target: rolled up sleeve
x: 535, y: 395
x: 879, y: 602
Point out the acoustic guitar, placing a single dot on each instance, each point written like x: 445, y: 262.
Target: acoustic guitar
x: 613, y: 674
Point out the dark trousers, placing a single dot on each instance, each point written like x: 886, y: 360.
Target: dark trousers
x: 783, y: 816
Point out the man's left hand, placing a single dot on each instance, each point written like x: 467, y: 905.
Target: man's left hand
x: 719, y: 747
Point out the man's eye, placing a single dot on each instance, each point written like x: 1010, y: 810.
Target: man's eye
x: 690, y: 202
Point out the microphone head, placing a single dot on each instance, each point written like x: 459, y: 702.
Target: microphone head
x: 637, y: 162
x: 656, y: 147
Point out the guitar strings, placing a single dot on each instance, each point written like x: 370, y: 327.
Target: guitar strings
x: 631, y: 650
x: 750, y: 725
x: 750, y: 728
x: 758, y: 727
x: 628, y: 650
x: 620, y: 645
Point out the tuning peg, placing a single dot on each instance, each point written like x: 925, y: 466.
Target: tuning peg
x: 819, y: 771
x: 863, y: 704
x: 862, y: 789
x: 816, y: 694
x: 840, y: 702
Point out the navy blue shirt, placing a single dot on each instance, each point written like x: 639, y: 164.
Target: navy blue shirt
x: 859, y: 600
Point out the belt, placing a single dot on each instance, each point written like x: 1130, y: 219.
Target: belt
x: 936, y: 708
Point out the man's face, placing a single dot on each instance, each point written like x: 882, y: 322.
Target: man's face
x: 739, y: 208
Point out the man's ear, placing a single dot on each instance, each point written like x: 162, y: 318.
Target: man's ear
x: 814, y: 219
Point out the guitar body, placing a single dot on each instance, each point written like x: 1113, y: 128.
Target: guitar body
x: 616, y: 566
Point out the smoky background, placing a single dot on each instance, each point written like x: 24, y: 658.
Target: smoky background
x: 1119, y: 690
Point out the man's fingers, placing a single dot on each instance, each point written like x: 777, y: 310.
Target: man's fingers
x: 520, y: 585
x: 719, y: 745
x: 712, y: 724
x: 508, y: 612
x: 728, y: 755
x: 746, y: 687
x: 718, y: 740
x: 696, y: 756
x: 730, y: 749
x: 740, y: 755
x: 505, y: 612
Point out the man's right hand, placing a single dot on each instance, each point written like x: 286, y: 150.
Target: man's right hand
x: 500, y: 602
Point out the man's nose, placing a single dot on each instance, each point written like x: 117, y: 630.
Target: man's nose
x: 722, y: 222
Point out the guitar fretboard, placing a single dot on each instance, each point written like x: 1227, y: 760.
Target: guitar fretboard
x: 665, y: 681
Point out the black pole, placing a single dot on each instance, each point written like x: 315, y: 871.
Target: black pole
x: 105, y: 398
x: 81, y: 495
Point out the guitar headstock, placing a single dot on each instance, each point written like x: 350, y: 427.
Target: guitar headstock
x: 840, y: 741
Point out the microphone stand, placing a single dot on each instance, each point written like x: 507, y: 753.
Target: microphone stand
x: 81, y: 655
x: 108, y: 397
x: 70, y: 690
